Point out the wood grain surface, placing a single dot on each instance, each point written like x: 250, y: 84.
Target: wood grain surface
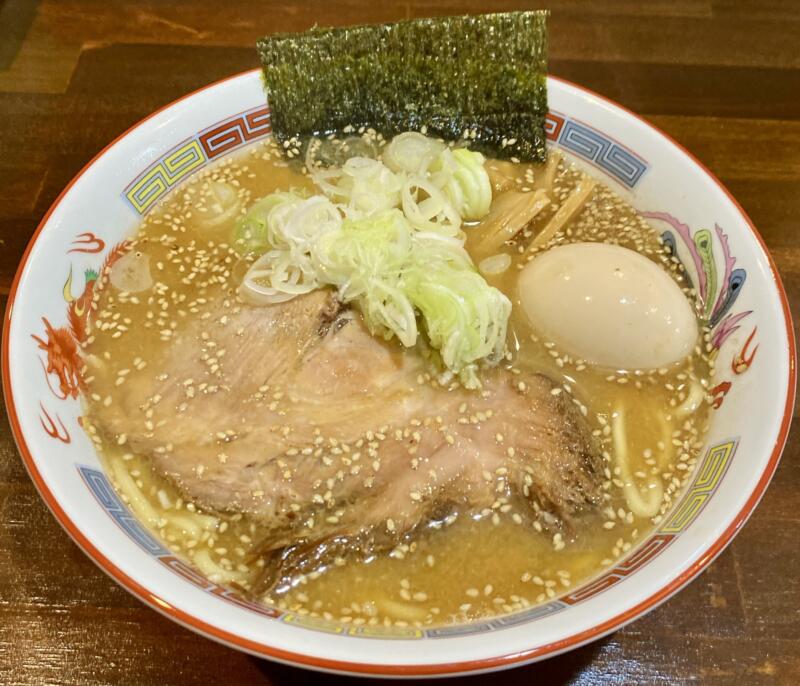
x: 721, y: 76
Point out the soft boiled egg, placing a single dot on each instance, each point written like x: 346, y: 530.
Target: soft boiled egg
x: 609, y: 306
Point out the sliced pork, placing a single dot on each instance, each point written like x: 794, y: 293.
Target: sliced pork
x: 295, y: 414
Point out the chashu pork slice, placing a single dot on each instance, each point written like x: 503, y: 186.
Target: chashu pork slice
x: 297, y: 415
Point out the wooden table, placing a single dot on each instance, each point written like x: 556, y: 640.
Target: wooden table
x: 721, y: 77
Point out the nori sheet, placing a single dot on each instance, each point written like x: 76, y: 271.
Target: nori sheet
x: 483, y: 73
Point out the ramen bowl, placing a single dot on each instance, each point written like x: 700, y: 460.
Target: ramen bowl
x: 752, y: 392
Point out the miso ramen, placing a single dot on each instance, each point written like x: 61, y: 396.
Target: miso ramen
x: 396, y: 384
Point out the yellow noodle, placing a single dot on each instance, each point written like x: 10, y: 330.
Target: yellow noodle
x: 666, y: 438
x: 401, y: 610
x: 192, y: 524
x: 136, y: 499
x: 693, y: 400
x: 202, y: 560
x: 643, y: 504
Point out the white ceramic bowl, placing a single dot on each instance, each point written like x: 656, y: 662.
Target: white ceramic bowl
x: 754, y: 387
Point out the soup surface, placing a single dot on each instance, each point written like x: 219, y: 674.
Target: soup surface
x: 647, y: 426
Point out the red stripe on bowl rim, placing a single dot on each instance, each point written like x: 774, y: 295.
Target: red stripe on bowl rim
x: 450, y: 668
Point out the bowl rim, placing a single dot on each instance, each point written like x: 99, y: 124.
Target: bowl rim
x: 450, y: 668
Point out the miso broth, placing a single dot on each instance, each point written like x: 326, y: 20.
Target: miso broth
x: 647, y: 426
